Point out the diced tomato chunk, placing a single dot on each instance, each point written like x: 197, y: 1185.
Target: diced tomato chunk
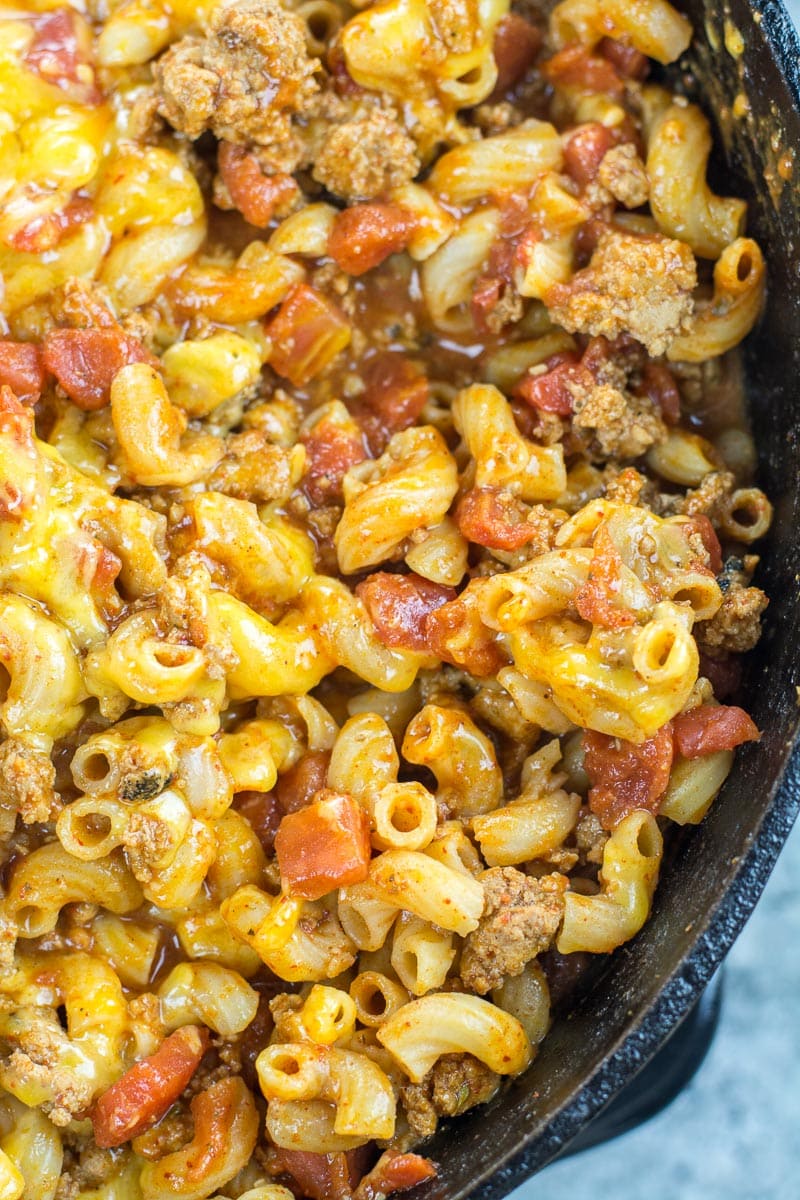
x: 598, y: 600
x: 323, y: 846
x: 85, y: 361
x: 456, y: 634
x: 394, y: 1172
x: 56, y: 55
x: 45, y: 232
x: 658, y: 384
x: 713, y: 727
x: 629, y: 62
x: 253, y: 193
x: 625, y: 777
x: 261, y: 811
x: 516, y: 44
x: 21, y: 369
x: 324, y: 1176
x: 307, y: 333
x: 702, y: 526
x: 550, y: 391
x: 106, y: 572
x: 298, y: 786
x: 331, y: 450
x: 575, y: 66
x: 399, y: 605
x: 584, y: 151
x: 17, y: 495
x: 494, y: 519
x: 395, y: 393
x: 364, y: 235
x: 144, y: 1093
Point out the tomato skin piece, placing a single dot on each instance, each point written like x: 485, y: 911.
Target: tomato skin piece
x: 626, y: 59
x: 575, y: 66
x: 585, y: 150
x: 711, y: 728
x: 21, y: 369
x: 254, y: 194
x: 58, y: 56
x: 516, y: 44
x: 625, y: 777
x: 149, y: 1089
x: 331, y: 451
x: 549, y: 392
x: 399, y: 605
x: 324, y: 1176
x: 323, y: 846
x: 494, y: 518
x: 395, y: 393
x: 45, y: 232
x: 598, y: 599
x: 456, y: 634
x: 394, y: 1172
x: 85, y: 361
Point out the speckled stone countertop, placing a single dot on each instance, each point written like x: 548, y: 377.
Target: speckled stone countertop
x: 734, y: 1132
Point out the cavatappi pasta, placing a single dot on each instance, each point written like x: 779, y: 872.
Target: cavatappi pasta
x: 376, y: 509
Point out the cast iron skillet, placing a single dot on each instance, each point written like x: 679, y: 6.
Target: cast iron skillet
x: 719, y: 868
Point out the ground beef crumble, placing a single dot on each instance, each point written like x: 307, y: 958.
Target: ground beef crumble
x: 590, y: 837
x: 736, y: 625
x: 456, y: 1082
x: 362, y: 158
x: 244, y: 81
x: 710, y: 497
x: 86, y: 1167
x: 27, y: 786
x: 623, y: 174
x: 147, y: 839
x: 621, y: 425
x: 624, y: 425
x: 520, y: 918
x: 641, y: 285
x: 37, y: 1058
